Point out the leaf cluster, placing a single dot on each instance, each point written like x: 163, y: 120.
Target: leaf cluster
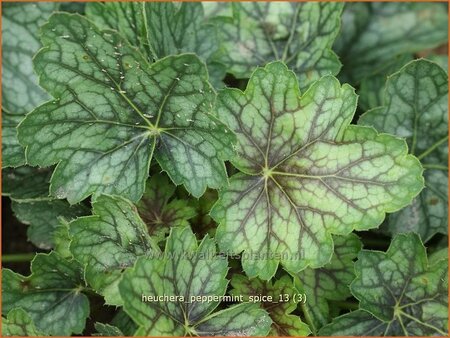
x: 243, y: 169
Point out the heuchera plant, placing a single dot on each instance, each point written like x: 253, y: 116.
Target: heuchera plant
x: 242, y: 169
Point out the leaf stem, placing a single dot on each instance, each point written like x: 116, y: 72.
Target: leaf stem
x: 434, y: 166
x: 433, y: 147
x: 308, y: 319
x: 13, y: 258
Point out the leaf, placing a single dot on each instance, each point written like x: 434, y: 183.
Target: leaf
x: 415, y: 107
x: 125, y: 17
x: 107, y: 330
x: 284, y: 323
x: 299, y: 34
x: 124, y: 323
x: 180, y: 29
x: 44, y: 218
x: 359, y: 323
x: 401, y: 289
x: 20, y: 91
x: 13, y: 153
x: 186, y: 270
x: 384, y: 31
x: 371, y: 91
x: 330, y: 283
x: 158, y: 213
x: 112, y: 112
x: 73, y: 7
x: 213, y: 9
x: 51, y: 295
x: 20, y: 41
x: 441, y: 60
x: 109, y: 241
x: 203, y: 223
x: 306, y: 172
x: 26, y: 184
x: 19, y: 323
x: 61, y: 239
x: 162, y: 29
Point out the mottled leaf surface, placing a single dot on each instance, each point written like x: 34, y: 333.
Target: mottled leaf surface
x: 108, y: 242
x: 127, y: 18
x: 160, y: 211
x: 44, y: 217
x: 107, y: 330
x: 329, y: 283
x: 13, y: 154
x: 161, y: 29
x: 214, y: 8
x: 376, y: 32
x: 406, y: 294
x: 51, y: 295
x: 20, y: 91
x: 284, y: 323
x: 124, y: 323
x: 415, y: 107
x: 372, y: 88
x: 186, y: 269
x: 26, y: 184
x: 19, y: 323
x: 113, y: 111
x: 300, y: 34
x: 359, y: 323
x: 61, y: 239
x: 306, y: 172
x: 179, y: 29
x: 441, y: 60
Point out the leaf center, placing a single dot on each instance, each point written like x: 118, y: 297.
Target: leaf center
x: 267, y: 172
x: 154, y: 131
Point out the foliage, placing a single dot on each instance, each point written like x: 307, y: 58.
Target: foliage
x: 221, y: 169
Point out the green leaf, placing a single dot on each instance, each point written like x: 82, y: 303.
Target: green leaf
x: 112, y: 112
x: 51, y: 295
x: 330, y: 283
x: 186, y: 270
x: 26, y: 184
x: 158, y: 213
x: 61, y: 239
x: 19, y: 323
x: 405, y: 294
x: 203, y: 223
x: 374, y: 33
x: 20, y: 28
x: 109, y: 241
x: 179, y: 29
x: 161, y: 29
x: 415, y: 107
x: 213, y: 9
x: 284, y: 322
x: 107, y: 330
x: 372, y: 88
x: 359, y: 323
x: 124, y: 323
x: 13, y: 154
x: 306, y: 172
x: 441, y: 60
x: 44, y: 218
x: 20, y: 91
x: 125, y: 17
x: 300, y: 34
